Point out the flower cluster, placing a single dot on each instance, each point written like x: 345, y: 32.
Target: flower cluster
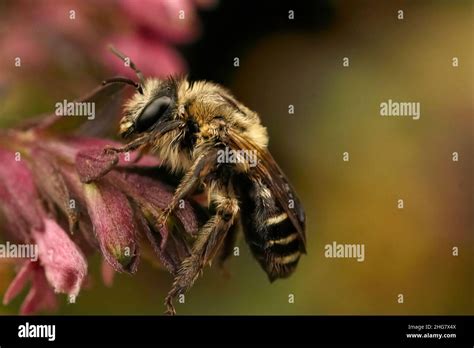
x: 64, y: 194
x: 68, y: 33
x: 70, y: 198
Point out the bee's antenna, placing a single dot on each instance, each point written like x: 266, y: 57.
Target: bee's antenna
x: 124, y: 80
x: 128, y: 61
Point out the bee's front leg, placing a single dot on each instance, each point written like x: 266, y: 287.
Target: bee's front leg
x: 207, y: 244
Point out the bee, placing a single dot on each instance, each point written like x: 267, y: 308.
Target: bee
x: 190, y: 126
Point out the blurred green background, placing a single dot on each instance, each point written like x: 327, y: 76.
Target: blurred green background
x: 407, y: 251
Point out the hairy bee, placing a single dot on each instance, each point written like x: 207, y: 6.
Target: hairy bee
x: 190, y: 126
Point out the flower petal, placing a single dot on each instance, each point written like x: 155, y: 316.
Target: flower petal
x: 41, y: 296
x: 64, y: 264
x: 19, y: 282
x: 94, y: 164
x: 114, y: 225
x: 93, y: 161
x: 19, y: 199
x: 53, y: 185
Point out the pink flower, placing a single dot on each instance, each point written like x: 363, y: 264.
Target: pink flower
x: 112, y: 217
x: 61, y: 269
x: 79, y: 31
x: 20, y: 200
x: 105, y: 201
x: 40, y: 297
x: 66, y: 194
x: 172, y: 20
x: 64, y: 264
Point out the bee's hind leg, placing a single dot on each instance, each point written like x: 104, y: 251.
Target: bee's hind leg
x: 209, y: 240
x: 228, y: 248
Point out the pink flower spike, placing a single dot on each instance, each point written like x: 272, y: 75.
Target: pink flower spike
x: 64, y: 264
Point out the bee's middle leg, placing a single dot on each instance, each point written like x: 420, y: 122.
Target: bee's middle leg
x: 207, y: 244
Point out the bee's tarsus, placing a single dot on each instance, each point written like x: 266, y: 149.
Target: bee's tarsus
x: 164, y: 217
x: 170, y: 310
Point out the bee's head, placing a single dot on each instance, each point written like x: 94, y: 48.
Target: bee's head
x: 153, y: 110
x: 157, y: 118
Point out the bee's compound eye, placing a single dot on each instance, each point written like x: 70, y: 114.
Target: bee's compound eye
x: 152, y: 113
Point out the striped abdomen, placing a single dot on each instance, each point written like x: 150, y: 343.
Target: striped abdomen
x: 270, y: 233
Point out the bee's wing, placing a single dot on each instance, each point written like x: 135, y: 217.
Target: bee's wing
x: 272, y: 175
x: 106, y: 100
